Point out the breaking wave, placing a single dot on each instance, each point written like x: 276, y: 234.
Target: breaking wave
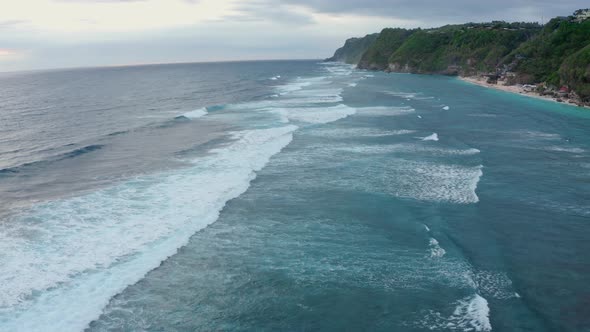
x: 89, y: 248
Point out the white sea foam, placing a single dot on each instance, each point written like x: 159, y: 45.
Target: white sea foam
x: 340, y: 70
x: 565, y: 149
x: 196, y: 113
x: 385, y: 111
x: 419, y: 116
x: 401, y: 147
x: 433, y: 137
x: 352, y: 85
x: 358, y: 132
x: 317, y: 114
x: 436, y: 250
x: 405, y: 178
x: 71, y: 256
x: 537, y: 135
x: 321, y: 92
x: 400, y: 132
x: 308, y: 96
x: 293, y: 86
x: 405, y: 95
x: 446, y: 108
x: 493, y: 284
x: 471, y: 314
x: 434, y: 182
x: 408, y: 95
x: 426, y: 228
x: 296, y: 99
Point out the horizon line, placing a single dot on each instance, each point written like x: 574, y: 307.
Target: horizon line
x: 151, y: 64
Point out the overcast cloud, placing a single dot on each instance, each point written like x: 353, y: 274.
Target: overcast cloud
x: 37, y: 34
x: 451, y: 10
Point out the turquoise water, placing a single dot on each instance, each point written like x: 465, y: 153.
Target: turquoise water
x: 330, y: 199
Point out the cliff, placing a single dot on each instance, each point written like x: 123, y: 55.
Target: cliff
x: 353, y: 49
x: 554, y: 55
x: 377, y: 55
x: 452, y: 49
x: 460, y: 49
x: 549, y: 56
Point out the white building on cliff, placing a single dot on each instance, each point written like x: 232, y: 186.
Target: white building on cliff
x: 582, y: 15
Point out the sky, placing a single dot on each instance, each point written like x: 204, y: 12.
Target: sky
x: 42, y: 34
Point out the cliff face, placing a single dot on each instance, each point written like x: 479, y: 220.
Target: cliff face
x: 575, y: 72
x: 549, y: 56
x: 353, y: 49
x: 377, y: 55
x: 557, y: 54
x: 452, y: 50
x: 463, y: 49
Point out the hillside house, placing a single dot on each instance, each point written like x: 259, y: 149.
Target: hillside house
x: 582, y: 15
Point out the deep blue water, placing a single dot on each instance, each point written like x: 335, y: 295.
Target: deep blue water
x: 288, y: 196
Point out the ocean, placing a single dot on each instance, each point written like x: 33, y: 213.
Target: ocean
x: 288, y: 196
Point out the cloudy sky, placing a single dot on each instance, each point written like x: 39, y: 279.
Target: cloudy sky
x: 38, y: 34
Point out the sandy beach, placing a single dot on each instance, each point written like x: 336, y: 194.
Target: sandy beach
x: 518, y: 89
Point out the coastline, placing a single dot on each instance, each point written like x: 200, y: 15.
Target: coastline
x: 518, y: 89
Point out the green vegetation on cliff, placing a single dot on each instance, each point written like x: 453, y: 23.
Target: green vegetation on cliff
x: 557, y: 53
x: 575, y: 72
x: 540, y: 59
x: 460, y: 49
x: 377, y: 55
x: 353, y: 49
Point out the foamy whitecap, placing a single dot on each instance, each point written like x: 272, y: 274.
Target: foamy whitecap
x: 404, y: 148
x: 343, y: 70
x: 565, y: 149
x: 434, y: 182
x: 87, y: 249
x: 404, y: 178
x: 471, y: 314
x: 385, y: 111
x: 297, y: 100
x: 436, y: 251
x: 405, y: 95
x: 196, y: 113
x: 446, y: 108
x: 317, y: 114
x: 408, y: 95
x: 319, y: 92
x: 294, y: 86
x: 433, y: 137
x: 358, y: 132
x: 493, y: 284
x: 537, y: 135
